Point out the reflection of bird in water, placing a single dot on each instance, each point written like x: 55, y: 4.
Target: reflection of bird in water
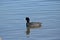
x: 31, y: 25
x: 27, y: 30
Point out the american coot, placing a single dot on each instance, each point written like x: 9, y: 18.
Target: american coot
x: 31, y: 25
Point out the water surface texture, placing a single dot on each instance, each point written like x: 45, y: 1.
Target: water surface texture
x: 12, y: 19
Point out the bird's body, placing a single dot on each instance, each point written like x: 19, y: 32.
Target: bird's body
x: 34, y: 24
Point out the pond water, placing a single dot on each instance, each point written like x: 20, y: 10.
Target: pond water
x: 12, y: 19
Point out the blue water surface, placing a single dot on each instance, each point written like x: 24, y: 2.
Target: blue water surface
x: 12, y: 19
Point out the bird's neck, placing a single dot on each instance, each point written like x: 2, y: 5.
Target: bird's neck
x: 28, y: 21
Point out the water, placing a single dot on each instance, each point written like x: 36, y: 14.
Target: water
x: 12, y: 19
